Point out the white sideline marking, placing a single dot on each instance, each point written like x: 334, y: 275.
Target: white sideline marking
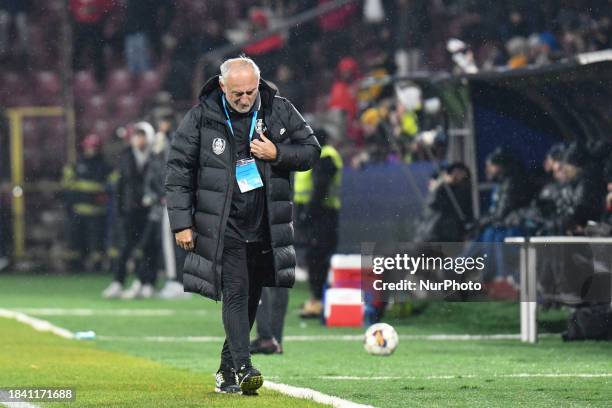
x: 4, y: 396
x: 435, y: 337
x: 214, y: 339
x: 37, y: 324
x: 107, y: 312
x: 461, y: 376
x: 316, y: 396
x: 297, y: 392
x: 556, y: 375
x: 164, y: 339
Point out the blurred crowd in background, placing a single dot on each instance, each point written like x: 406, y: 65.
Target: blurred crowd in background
x: 570, y: 196
x: 142, y: 60
x: 130, y: 54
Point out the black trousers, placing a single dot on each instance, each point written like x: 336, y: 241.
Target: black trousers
x: 179, y: 255
x: 134, y: 224
x: 245, y: 268
x: 271, y: 313
x: 322, y: 243
x: 87, y: 234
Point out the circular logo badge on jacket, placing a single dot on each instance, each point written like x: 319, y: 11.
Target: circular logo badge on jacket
x: 218, y: 145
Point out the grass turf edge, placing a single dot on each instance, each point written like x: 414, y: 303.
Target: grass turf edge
x: 108, y: 379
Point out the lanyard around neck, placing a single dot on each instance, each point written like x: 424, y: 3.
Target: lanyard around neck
x: 229, y: 121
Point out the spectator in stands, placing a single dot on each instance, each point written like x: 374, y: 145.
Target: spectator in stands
x: 581, y: 199
x: 155, y: 198
x: 140, y: 28
x: 133, y: 215
x: 343, y: 94
x: 303, y: 35
x: 183, y: 62
x: 582, y: 195
x: 536, y: 218
x: 405, y: 120
x: 539, y: 49
x: 602, y: 34
x: 334, y: 27
x: 448, y: 210
x: 288, y: 85
x: 266, y: 49
x: 319, y: 191
x: 14, y: 11
x: 88, y: 17
x: 511, y: 191
x: 515, y: 26
x: 539, y: 219
x: 517, y: 49
x: 378, y: 137
x: 137, y: 44
x: 210, y: 41
x: 162, y: 14
x: 213, y: 37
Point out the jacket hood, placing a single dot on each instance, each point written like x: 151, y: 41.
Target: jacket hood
x: 149, y: 131
x: 267, y: 90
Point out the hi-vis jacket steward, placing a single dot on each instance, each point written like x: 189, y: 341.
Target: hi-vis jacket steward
x: 200, y: 180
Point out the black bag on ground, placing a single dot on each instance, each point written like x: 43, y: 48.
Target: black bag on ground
x: 589, y: 323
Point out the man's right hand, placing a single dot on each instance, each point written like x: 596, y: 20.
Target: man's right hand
x: 184, y: 239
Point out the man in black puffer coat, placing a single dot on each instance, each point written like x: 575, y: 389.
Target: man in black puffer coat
x: 229, y: 202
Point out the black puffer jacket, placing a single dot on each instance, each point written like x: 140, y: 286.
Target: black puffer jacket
x: 200, y: 180
x: 579, y: 201
x: 440, y: 221
x: 514, y: 192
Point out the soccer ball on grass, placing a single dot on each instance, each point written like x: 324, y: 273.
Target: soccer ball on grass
x: 380, y: 339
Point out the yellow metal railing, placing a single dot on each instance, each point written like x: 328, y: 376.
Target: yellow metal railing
x: 16, y: 117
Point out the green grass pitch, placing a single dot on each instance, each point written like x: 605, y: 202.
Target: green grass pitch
x: 128, y: 365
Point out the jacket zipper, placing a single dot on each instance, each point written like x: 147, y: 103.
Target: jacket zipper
x: 226, y: 209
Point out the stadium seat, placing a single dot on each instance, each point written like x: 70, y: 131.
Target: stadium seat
x: 54, y: 144
x: 103, y: 128
x: 39, y: 45
x: 31, y: 132
x: 149, y: 84
x: 98, y: 105
x: 127, y: 108
x: 55, y: 130
x: 84, y: 85
x: 48, y: 88
x: 95, y: 107
x: 190, y: 10
x: 13, y: 86
x: 20, y: 100
x: 32, y: 153
x: 118, y: 82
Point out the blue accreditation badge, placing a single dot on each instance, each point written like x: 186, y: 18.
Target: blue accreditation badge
x: 247, y: 175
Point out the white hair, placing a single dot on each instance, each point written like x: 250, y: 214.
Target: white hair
x: 239, y: 61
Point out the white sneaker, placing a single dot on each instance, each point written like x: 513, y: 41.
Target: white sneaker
x: 146, y: 292
x: 4, y: 262
x: 133, y: 292
x: 113, y: 291
x: 173, y: 290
